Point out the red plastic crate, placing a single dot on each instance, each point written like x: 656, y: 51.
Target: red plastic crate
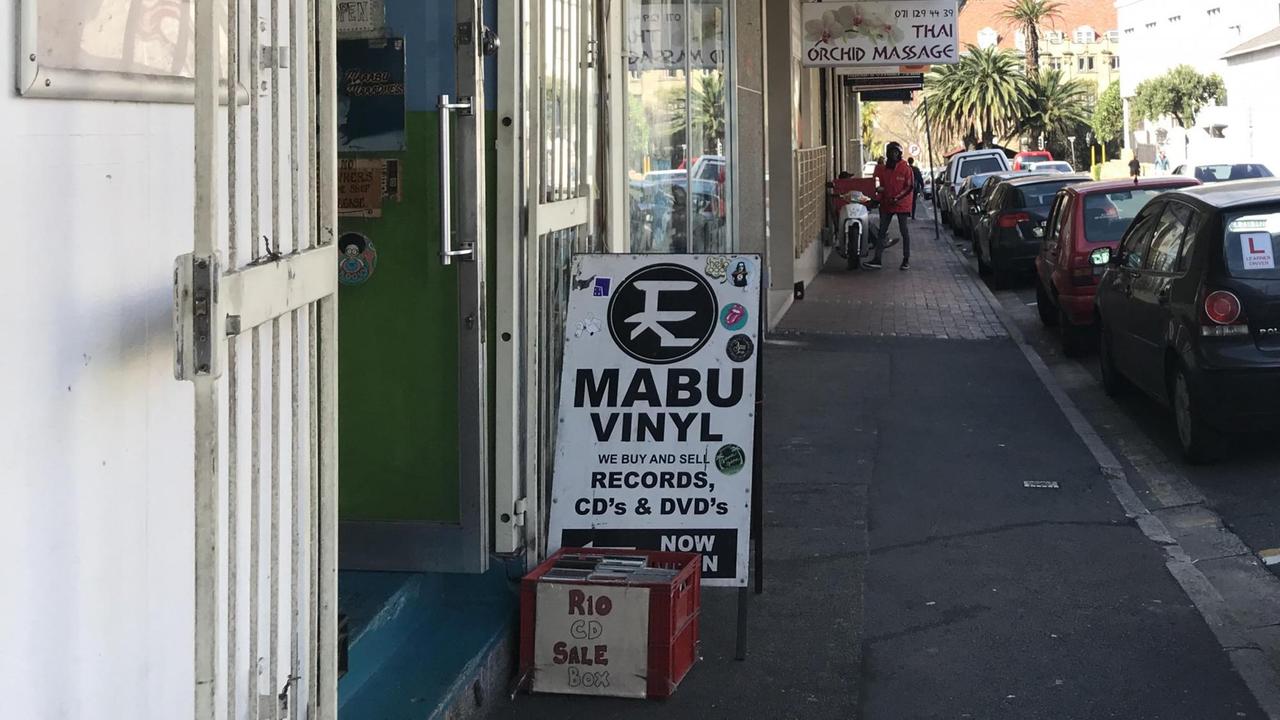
x: 674, y: 609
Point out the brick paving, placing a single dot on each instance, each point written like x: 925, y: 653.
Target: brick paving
x: 937, y: 298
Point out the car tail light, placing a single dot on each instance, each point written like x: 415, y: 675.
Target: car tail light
x: 1011, y: 220
x: 1223, y: 315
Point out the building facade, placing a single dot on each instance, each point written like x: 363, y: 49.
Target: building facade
x: 1161, y: 34
x: 1082, y: 41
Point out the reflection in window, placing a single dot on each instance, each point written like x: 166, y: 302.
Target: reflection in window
x: 676, y: 129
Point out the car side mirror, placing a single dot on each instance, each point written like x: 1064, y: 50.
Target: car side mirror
x: 1116, y: 258
x: 1101, y: 256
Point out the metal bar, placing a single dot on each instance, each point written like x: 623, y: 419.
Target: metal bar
x: 688, y: 135
x: 326, y: 406
x: 447, y: 251
x: 563, y: 214
x: 273, y: 543
x: 260, y: 292
x: 255, y: 514
x: 207, y: 595
x: 311, y: 678
x: 928, y: 134
x: 297, y: 529
x: 233, y: 365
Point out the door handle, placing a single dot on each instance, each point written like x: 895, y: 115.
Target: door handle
x: 447, y: 108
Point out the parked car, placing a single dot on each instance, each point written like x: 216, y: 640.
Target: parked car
x: 1005, y: 239
x: 961, y: 166
x: 1055, y: 166
x: 1223, y: 172
x: 1189, y: 310
x: 1086, y: 219
x: 1029, y: 156
x: 973, y: 193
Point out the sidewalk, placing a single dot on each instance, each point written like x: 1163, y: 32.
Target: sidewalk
x: 909, y: 572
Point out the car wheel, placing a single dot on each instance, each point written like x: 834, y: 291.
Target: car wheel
x: 1200, y: 443
x: 853, y: 247
x: 1113, y: 383
x: 1075, y: 339
x: 1044, y: 306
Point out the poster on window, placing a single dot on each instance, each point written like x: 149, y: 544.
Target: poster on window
x: 879, y: 33
x: 667, y: 34
x: 371, y: 106
x: 655, y: 439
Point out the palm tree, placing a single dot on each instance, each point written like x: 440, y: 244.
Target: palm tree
x: 708, y: 109
x: 1029, y: 15
x: 1056, y: 106
x: 982, y: 97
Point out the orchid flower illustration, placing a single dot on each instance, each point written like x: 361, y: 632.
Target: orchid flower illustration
x: 822, y: 31
x: 850, y: 19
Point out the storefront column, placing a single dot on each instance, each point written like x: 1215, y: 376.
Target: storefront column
x: 750, y: 163
x: 781, y: 129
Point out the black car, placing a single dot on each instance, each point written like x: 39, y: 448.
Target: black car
x: 1189, y: 310
x: 1006, y: 229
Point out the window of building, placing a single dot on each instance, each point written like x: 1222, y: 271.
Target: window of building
x: 1151, y: 25
x: 1085, y: 34
x: 1128, y: 31
x: 1113, y: 36
x: 988, y: 37
x: 1084, y: 63
x: 1020, y: 41
x: 1215, y: 11
x: 1054, y: 37
x: 1175, y: 18
x: 679, y: 146
x: 1115, y: 62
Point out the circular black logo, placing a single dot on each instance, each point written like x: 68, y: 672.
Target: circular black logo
x: 662, y: 313
x: 730, y: 459
x: 739, y: 348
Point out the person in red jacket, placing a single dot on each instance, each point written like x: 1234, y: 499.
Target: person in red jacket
x: 896, y: 185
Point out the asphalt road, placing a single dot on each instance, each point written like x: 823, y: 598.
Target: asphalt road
x: 1241, y: 487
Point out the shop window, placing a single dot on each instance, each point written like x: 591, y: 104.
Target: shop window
x: 677, y: 133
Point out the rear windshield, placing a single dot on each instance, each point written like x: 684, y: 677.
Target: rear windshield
x: 986, y: 164
x: 1039, y: 197
x: 1249, y: 242
x: 1239, y: 171
x: 1107, y: 215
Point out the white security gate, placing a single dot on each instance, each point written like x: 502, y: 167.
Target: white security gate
x: 553, y: 89
x: 256, y: 326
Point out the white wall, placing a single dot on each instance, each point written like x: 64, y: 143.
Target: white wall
x: 1254, y: 106
x: 96, y: 515
x: 1198, y: 38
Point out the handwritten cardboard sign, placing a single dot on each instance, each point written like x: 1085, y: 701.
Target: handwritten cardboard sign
x: 591, y: 640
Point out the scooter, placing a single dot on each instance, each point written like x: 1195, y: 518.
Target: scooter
x: 854, y: 232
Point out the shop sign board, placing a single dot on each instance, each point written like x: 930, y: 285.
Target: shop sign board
x: 658, y: 408
x: 591, y: 640
x: 879, y: 33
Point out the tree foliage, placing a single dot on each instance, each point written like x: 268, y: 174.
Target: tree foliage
x: 708, y: 109
x: 980, y: 98
x: 1056, y: 105
x: 1108, y: 114
x: 1180, y: 93
x: 1028, y: 16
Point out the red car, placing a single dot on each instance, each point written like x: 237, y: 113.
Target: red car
x: 1084, y: 227
x: 1030, y: 156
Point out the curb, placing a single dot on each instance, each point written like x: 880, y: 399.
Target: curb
x: 1258, y: 674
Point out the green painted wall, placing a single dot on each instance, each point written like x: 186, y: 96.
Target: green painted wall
x: 398, y: 360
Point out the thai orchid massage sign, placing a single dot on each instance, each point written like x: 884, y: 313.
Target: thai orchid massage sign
x: 872, y: 32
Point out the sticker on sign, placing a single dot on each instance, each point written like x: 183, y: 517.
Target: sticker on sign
x: 654, y: 446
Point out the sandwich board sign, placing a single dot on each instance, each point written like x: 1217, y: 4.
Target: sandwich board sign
x: 656, y: 431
